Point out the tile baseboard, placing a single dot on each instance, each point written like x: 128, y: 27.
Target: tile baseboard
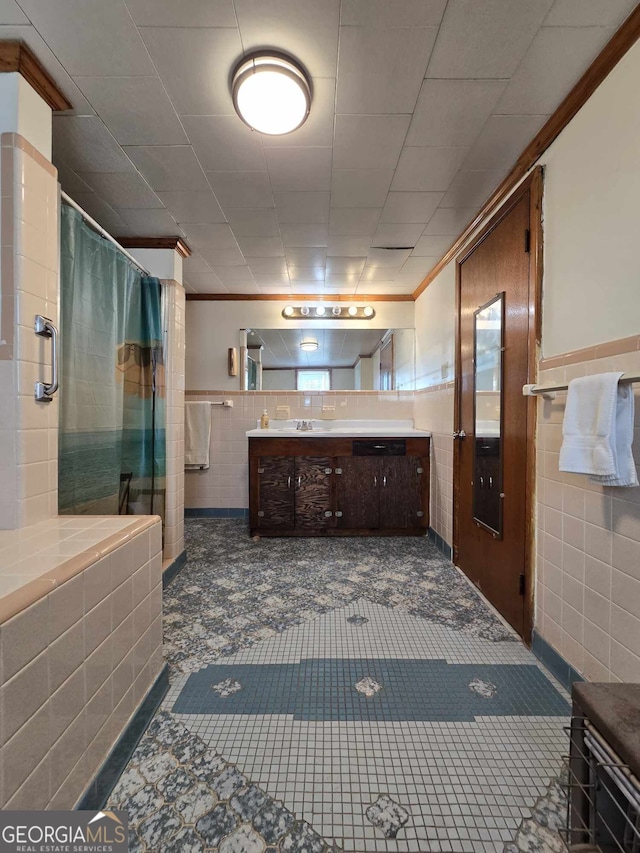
x: 172, y: 570
x: 554, y: 662
x: 439, y: 542
x: 97, y: 793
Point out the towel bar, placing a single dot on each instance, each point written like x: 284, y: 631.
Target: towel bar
x: 547, y: 390
x: 228, y: 404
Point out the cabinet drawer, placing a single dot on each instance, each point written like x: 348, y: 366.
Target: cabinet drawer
x: 379, y: 447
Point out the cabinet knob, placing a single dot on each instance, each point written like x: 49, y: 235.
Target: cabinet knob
x: 260, y: 470
x: 419, y: 470
x: 261, y: 513
x: 338, y: 514
x: 328, y: 513
x: 338, y: 471
x: 420, y: 514
x: 327, y: 470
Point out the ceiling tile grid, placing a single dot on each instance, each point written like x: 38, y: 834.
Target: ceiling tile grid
x: 419, y: 109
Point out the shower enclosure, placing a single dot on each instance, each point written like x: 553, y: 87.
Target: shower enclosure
x: 112, y: 393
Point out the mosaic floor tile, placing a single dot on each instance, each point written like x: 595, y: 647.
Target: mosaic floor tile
x: 294, y: 759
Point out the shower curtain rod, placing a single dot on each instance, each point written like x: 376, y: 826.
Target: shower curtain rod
x: 101, y: 230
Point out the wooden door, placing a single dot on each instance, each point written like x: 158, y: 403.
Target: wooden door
x: 503, y: 260
x: 401, y: 492
x: 313, y: 492
x: 276, y: 491
x: 357, y: 492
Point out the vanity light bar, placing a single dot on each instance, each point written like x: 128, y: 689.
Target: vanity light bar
x: 328, y: 312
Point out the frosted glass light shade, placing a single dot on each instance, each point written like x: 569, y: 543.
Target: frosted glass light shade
x: 271, y: 94
x: 309, y: 345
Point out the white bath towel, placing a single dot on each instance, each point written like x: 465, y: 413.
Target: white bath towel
x: 197, y: 435
x: 598, y: 430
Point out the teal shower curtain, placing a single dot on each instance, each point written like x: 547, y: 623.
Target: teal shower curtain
x: 111, y: 456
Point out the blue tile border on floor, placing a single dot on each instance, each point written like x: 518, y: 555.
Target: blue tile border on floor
x: 324, y: 689
x: 439, y: 542
x: 100, y: 787
x: 171, y: 571
x: 554, y: 662
x: 216, y: 512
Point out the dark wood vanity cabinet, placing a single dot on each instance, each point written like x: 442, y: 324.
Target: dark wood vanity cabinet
x: 338, y: 486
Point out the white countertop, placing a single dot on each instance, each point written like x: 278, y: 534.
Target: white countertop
x: 340, y: 429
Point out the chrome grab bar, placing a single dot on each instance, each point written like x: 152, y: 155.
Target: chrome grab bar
x: 45, y: 329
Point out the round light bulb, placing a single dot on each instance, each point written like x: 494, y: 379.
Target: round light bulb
x: 320, y: 310
x: 304, y: 311
x: 337, y: 311
x: 271, y: 94
x: 353, y: 310
x: 368, y: 311
x: 288, y: 311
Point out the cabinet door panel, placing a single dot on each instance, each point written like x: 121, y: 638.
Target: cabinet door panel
x: 276, y: 491
x: 400, y: 492
x: 313, y: 491
x: 357, y: 493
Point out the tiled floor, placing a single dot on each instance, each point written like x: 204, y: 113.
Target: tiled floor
x: 350, y: 694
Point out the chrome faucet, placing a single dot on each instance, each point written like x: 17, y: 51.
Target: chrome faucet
x: 303, y: 425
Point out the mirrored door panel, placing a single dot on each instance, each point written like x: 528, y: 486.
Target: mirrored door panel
x: 488, y: 408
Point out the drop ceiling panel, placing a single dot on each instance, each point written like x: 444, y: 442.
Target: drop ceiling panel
x: 360, y: 187
x: 354, y: 221
x: 122, y: 189
x: 299, y: 169
x: 410, y: 207
x: 11, y: 13
x: 261, y: 247
x: 190, y: 63
x: 306, y: 275
x: 345, y: 266
x: 136, y: 110
x: 262, y: 222
x: 241, y: 189
x: 345, y: 247
x: 291, y: 25
x: 306, y: 257
x: 197, y: 206
x: 168, y: 167
x: 85, y: 144
x: 186, y: 13
x: 76, y: 29
x: 449, y: 220
x: 301, y: 236
x: 471, y: 189
x: 557, y: 55
x: 70, y: 180
x: 381, y: 68
x: 227, y: 274
x: 428, y: 246
x: 427, y: 169
x: 589, y: 13
x: 487, y: 39
x: 205, y: 282
x: 203, y: 236
x: 501, y: 142
x: 225, y: 144
x: 336, y: 347
x: 103, y: 213
x: 268, y: 265
x: 369, y: 142
x: 311, y: 208
x: 398, y: 236
x: 223, y: 257
x: 420, y: 266
x: 392, y: 13
x: 462, y: 107
x: 387, y: 257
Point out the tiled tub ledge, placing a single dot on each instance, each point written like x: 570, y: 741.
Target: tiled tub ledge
x: 80, y: 648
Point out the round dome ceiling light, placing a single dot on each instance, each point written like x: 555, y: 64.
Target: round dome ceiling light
x: 271, y: 93
x: 320, y: 310
x: 353, y: 310
x: 309, y: 345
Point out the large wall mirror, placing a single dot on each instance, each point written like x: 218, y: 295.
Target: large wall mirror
x: 488, y: 384
x: 328, y: 359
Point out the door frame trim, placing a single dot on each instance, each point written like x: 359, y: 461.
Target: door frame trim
x: 534, y: 183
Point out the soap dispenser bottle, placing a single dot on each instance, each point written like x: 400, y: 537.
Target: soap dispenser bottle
x: 264, y: 420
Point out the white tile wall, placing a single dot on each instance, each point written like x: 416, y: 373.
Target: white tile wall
x: 434, y: 412
x: 174, y: 373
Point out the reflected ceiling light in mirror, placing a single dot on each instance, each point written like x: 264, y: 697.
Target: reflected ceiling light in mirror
x: 271, y: 93
x: 309, y: 345
x: 328, y: 312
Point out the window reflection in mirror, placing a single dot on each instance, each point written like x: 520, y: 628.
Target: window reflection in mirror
x: 488, y: 382
x: 345, y: 359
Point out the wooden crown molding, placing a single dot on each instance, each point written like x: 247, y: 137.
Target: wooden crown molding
x: 288, y: 297
x: 16, y: 56
x: 622, y: 41
x: 175, y: 243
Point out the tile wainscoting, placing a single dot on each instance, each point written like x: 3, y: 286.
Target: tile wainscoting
x: 224, y: 485
x: 433, y: 411
x: 588, y: 538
